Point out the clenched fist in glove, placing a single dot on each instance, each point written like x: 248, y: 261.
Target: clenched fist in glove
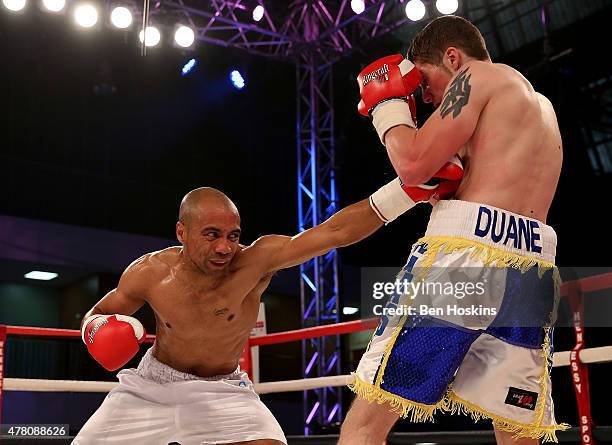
x: 386, y: 87
x: 393, y: 199
x: 112, y: 339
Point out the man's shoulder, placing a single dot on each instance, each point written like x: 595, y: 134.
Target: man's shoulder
x: 497, y: 80
x: 261, y: 249
x: 544, y: 100
x: 267, y: 243
x: 509, y: 77
x: 505, y: 75
x: 492, y: 74
x: 477, y: 77
x: 155, y: 262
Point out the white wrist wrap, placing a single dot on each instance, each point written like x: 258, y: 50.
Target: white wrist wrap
x: 405, y: 66
x: 390, y: 201
x: 389, y: 114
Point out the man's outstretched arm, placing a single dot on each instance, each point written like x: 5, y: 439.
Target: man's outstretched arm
x: 353, y: 223
x: 348, y: 226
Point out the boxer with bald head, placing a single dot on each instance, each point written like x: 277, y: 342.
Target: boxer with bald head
x: 507, y: 135
x: 205, y: 295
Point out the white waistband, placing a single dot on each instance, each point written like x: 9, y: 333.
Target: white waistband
x: 493, y: 226
x: 152, y: 369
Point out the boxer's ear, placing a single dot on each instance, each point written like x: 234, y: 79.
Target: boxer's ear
x: 453, y: 58
x: 180, y: 232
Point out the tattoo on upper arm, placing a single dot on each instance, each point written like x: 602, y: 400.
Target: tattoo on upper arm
x: 457, y: 95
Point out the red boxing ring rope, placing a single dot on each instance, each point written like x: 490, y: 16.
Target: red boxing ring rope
x: 573, y: 290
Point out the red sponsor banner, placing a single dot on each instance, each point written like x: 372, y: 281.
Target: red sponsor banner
x: 579, y: 370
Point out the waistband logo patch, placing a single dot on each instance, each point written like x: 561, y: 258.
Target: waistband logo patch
x: 507, y: 229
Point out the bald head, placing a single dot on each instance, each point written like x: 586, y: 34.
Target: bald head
x: 198, y: 201
x: 208, y: 229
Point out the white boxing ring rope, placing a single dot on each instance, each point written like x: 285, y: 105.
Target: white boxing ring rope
x: 590, y: 355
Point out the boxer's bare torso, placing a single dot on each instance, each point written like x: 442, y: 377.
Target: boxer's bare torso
x: 513, y: 159
x: 202, y: 322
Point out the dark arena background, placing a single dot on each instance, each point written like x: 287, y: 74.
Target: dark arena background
x: 100, y: 139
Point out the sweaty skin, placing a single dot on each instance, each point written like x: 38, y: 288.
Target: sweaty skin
x: 205, y: 293
x: 507, y: 135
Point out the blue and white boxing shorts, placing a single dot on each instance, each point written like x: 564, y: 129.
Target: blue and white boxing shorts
x: 493, y: 362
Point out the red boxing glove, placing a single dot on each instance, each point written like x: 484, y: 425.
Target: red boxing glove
x: 393, y: 199
x: 392, y: 77
x: 386, y: 87
x: 112, y: 340
x: 447, y: 189
x: 443, y: 184
x: 451, y: 171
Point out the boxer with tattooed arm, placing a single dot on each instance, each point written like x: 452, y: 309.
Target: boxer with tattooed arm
x: 508, y: 138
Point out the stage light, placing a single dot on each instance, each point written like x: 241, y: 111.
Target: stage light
x: 358, y: 6
x: 184, y: 36
x: 14, y: 5
x: 348, y: 310
x: 121, y: 17
x: 258, y: 13
x: 188, y: 67
x: 54, y: 5
x: 415, y: 10
x: 153, y: 36
x: 40, y: 275
x: 237, y: 79
x: 447, y: 6
x: 86, y: 16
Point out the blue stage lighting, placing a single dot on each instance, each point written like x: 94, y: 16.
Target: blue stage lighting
x: 237, y: 79
x: 189, y: 66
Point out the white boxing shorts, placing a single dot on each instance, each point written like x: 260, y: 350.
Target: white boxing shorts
x: 156, y: 404
x: 492, y: 363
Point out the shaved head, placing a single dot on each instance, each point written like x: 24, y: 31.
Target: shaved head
x: 198, y: 201
x: 209, y: 230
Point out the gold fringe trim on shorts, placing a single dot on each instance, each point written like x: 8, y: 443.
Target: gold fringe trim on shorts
x: 488, y: 255
x: 457, y: 405
x: 417, y: 412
